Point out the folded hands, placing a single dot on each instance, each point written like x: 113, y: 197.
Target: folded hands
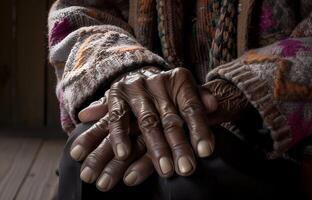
x: 152, y: 119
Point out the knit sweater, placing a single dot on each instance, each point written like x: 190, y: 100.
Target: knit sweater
x: 264, y: 47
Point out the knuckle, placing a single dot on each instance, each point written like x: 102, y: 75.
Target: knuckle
x: 134, y: 81
x: 116, y: 163
x: 181, y: 146
x: 157, y: 78
x: 115, y: 92
x: 139, y: 79
x: 181, y: 72
x: 118, y: 134
x: 116, y: 115
x: 192, y: 108
x: 93, y: 159
x: 93, y: 133
x: 117, y: 86
x: 148, y: 120
x: 102, y: 124
x: 171, y: 121
x: 118, y: 111
x: 157, y: 148
x: 88, y: 135
x: 114, y: 166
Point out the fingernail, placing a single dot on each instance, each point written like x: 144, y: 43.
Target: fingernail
x: 121, y: 150
x: 87, y: 175
x: 131, y: 178
x: 204, y: 148
x: 184, y: 164
x: 165, y: 165
x: 104, y: 181
x: 77, y: 152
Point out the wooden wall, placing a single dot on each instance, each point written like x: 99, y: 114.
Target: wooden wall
x: 27, y: 82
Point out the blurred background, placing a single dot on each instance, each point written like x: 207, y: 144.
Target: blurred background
x: 27, y: 81
x: 31, y: 139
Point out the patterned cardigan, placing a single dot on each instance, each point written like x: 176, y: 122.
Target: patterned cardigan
x: 264, y: 47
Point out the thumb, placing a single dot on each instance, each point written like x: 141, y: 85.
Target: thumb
x: 209, y: 101
x: 94, y: 111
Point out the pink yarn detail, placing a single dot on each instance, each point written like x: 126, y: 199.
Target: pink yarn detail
x: 59, y: 31
x: 300, y: 127
x: 291, y: 47
x: 266, y: 19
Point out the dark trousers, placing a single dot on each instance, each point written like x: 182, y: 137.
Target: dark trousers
x: 234, y: 171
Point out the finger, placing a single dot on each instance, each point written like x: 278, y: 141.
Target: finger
x: 231, y: 101
x: 119, y: 122
x: 172, y: 124
x: 209, y: 101
x: 192, y: 110
x: 94, y: 111
x: 89, y: 140
x: 96, y: 161
x: 150, y: 126
x: 139, y: 171
x: 183, y: 155
x: 115, y: 169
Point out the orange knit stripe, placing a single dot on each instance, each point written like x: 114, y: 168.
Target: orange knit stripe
x: 288, y: 90
x: 82, y: 53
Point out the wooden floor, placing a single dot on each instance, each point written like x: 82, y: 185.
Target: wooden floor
x: 28, y: 167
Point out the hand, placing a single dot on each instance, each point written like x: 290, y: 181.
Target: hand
x: 99, y: 164
x: 228, y: 98
x: 223, y: 102
x: 161, y: 102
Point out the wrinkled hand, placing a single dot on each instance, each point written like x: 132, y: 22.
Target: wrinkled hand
x: 231, y: 103
x: 161, y: 102
x: 99, y: 163
x: 89, y: 148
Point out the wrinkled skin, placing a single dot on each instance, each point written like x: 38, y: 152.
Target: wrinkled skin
x: 157, y: 100
x: 161, y: 102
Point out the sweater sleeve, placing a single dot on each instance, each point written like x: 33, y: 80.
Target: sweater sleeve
x: 277, y: 80
x: 89, y: 46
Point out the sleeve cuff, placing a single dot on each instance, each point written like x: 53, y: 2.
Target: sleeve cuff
x: 259, y: 92
x: 86, y: 73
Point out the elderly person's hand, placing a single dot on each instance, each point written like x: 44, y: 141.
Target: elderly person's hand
x: 99, y: 162
x: 161, y: 101
x: 231, y: 103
